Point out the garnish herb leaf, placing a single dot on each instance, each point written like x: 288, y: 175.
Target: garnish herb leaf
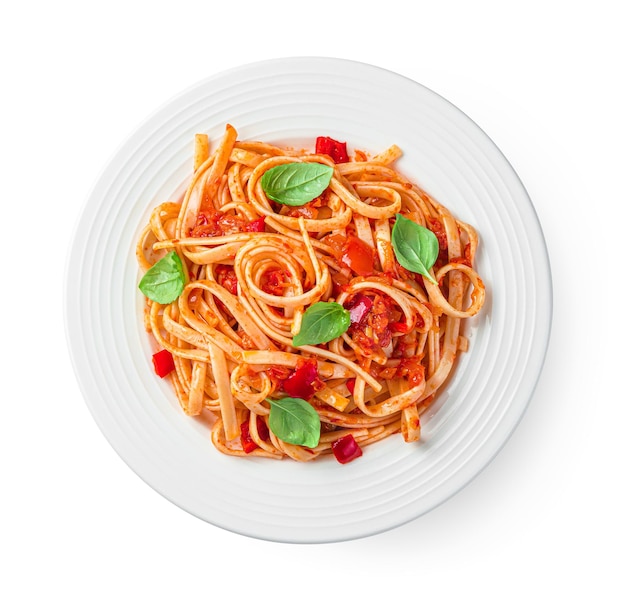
x: 295, y: 184
x: 295, y: 421
x: 165, y: 280
x: 322, y: 322
x: 415, y: 246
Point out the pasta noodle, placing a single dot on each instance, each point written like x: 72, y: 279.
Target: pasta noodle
x: 253, y: 266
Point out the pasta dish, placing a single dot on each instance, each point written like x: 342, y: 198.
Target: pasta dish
x: 308, y: 302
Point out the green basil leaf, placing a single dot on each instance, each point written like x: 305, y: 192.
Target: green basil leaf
x: 415, y: 246
x: 295, y: 421
x: 322, y: 322
x: 295, y: 184
x: 165, y: 280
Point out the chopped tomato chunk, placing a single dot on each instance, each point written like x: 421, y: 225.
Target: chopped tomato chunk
x: 358, y: 256
x: 373, y: 330
x: 412, y: 369
x: 227, y: 278
x: 273, y: 281
x: 336, y: 243
x: 211, y: 223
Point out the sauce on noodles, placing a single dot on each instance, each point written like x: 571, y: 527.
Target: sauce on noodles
x: 255, y: 272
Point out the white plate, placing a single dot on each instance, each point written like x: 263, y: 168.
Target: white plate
x: 289, y: 100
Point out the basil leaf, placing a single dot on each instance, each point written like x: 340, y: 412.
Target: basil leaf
x: 322, y: 322
x: 415, y: 246
x: 165, y: 280
x: 295, y: 184
x: 295, y: 421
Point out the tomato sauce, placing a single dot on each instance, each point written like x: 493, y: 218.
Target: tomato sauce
x: 211, y: 223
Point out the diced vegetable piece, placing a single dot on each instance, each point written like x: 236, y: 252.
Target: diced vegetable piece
x: 247, y: 443
x: 337, y: 151
x: 358, y: 256
x: 359, y: 307
x: 227, y: 277
x: 256, y: 225
x: 262, y: 429
x: 304, y: 381
x: 163, y: 363
x: 346, y: 449
x: 399, y: 326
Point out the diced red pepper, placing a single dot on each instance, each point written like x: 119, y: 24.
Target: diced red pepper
x: 358, y: 256
x: 247, y: 443
x: 359, y: 307
x: 346, y: 449
x: 256, y: 225
x: 163, y: 363
x: 337, y: 151
x: 304, y: 382
x: 350, y: 384
x: 261, y: 426
x: 398, y: 326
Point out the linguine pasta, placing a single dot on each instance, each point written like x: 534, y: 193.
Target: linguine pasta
x: 252, y: 267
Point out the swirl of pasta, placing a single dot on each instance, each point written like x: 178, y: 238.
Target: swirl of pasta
x: 341, y: 214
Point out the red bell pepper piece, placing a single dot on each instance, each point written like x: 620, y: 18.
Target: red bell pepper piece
x: 261, y: 426
x: 163, y: 363
x: 350, y: 385
x: 359, y: 307
x: 304, y: 381
x: 399, y: 326
x: 346, y: 449
x: 337, y: 151
x: 247, y: 443
x: 256, y: 225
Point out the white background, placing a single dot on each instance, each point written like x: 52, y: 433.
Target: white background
x: 544, y: 520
